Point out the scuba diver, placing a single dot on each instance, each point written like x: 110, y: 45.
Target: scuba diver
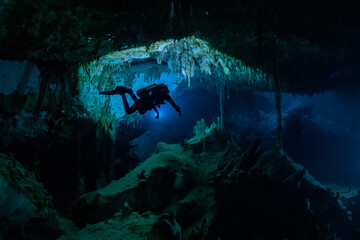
x: 150, y: 97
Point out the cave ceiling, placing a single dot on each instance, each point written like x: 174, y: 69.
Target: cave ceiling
x: 309, y: 45
x: 179, y: 64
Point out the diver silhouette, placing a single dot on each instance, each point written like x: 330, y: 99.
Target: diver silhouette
x: 150, y: 97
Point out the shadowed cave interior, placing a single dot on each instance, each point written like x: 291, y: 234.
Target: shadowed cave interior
x: 266, y: 147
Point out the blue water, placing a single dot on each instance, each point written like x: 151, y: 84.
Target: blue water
x: 321, y: 132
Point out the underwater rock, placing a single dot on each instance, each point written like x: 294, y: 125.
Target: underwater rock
x: 136, y: 68
x: 351, y: 204
x: 163, y: 179
x: 219, y: 192
x: 123, y: 225
x: 68, y: 153
x: 183, y: 55
x: 19, y: 85
x: 269, y: 196
x: 153, y: 185
x: 205, y: 138
x: 172, y: 181
x: 23, y: 88
x: 18, y: 76
x: 22, y: 127
x: 166, y: 228
x: 26, y: 207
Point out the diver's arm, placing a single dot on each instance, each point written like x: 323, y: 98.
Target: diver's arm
x: 173, y: 104
x: 157, y: 112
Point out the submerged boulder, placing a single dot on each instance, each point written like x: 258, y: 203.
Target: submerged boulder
x: 205, y: 189
x: 265, y: 195
x: 158, y: 182
x: 26, y: 207
x: 124, y: 225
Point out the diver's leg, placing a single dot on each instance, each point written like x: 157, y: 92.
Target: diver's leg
x: 128, y: 109
x: 108, y: 93
x: 122, y: 90
x: 131, y: 93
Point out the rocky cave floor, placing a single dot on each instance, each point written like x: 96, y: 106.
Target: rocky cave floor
x: 204, y: 188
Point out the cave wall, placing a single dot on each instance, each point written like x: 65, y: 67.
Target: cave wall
x: 19, y: 85
x: 52, y: 117
x: 65, y: 148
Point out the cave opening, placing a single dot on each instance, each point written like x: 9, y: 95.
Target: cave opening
x: 320, y: 131
x: 248, y: 114
x: 86, y: 156
x: 266, y: 147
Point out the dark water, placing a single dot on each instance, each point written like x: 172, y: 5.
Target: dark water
x: 321, y: 132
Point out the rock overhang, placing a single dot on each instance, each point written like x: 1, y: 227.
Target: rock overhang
x: 189, y: 61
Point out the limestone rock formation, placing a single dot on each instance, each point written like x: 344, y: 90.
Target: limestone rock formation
x: 124, y: 225
x: 26, y: 207
x: 19, y: 85
x: 56, y: 56
x: 214, y: 192
x: 171, y: 62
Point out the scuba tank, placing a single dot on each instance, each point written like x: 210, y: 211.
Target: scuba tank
x: 155, y: 91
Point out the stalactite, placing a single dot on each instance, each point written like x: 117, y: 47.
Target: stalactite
x: 221, y: 96
x: 182, y: 57
x: 172, y: 14
x: 279, y: 116
x: 159, y: 57
x: 278, y: 108
x: 228, y: 90
x: 44, y: 82
x: 87, y: 70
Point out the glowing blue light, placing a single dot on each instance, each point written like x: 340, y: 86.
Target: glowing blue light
x: 166, y: 113
x: 162, y: 114
x: 155, y: 114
